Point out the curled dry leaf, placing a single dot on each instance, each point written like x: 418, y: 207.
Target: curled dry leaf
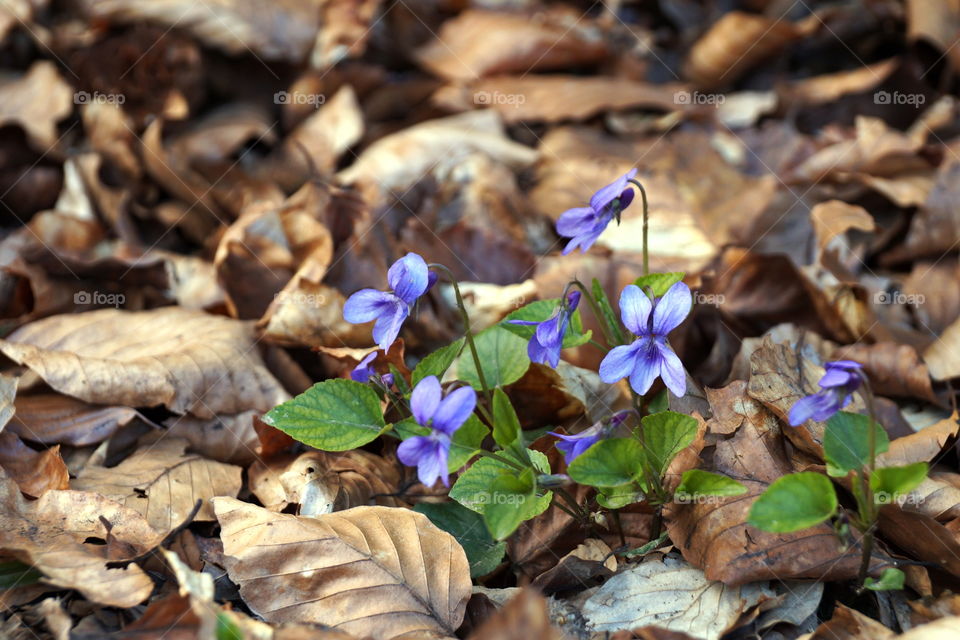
x: 481, y: 43
x: 556, y: 98
x: 835, y: 217
x: 52, y: 534
x: 412, y: 576
x: 941, y: 355
x: 583, y: 567
x: 227, y: 438
x: 283, y: 30
x: 733, y: 44
x: 667, y: 592
x: 716, y: 536
x: 37, y: 102
x: 52, y: 418
x: 933, y: 282
x: 163, y: 483
x: 894, y: 369
x: 322, y: 482
x: 526, y: 615
x: 188, y: 361
x: 398, y: 161
x: 34, y: 471
x: 934, y: 230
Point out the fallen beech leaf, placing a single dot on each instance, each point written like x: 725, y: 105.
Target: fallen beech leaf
x: 412, y: 576
x: 557, y: 98
x: 936, y: 24
x: 894, y: 369
x: 835, y: 217
x: 283, y: 30
x: 34, y: 471
x: 52, y: 533
x: 163, y: 483
x: 189, y: 361
x: 716, y: 537
x: 225, y: 438
x: 670, y: 593
x: 480, y: 43
x: 37, y: 101
x: 849, y: 624
x: 934, y: 229
x: 398, y: 161
x: 51, y: 418
x: 584, y: 566
x: 733, y: 44
x: 829, y: 87
x: 525, y: 616
x: 941, y: 355
x: 932, y: 283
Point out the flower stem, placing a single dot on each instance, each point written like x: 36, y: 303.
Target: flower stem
x: 467, y: 331
x: 868, y: 515
x: 609, y: 333
x: 501, y: 459
x: 643, y: 196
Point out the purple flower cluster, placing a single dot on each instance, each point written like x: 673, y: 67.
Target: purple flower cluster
x: 365, y: 371
x: 837, y: 386
x: 443, y: 416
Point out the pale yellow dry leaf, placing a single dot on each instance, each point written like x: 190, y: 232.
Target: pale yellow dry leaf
x: 943, y: 355
x: 163, y: 483
x: 834, y: 217
x: 37, y: 101
x: 669, y: 593
x: 370, y: 571
x: 188, y: 361
x: 51, y: 534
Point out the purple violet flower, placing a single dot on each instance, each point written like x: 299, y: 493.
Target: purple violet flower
x: 547, y: 341
x: 649, y: 356
x: 573, y: 446
x: 409, y: 279
x: 443, y: 415
x: 365, y: 370
x: 837, y: 385
x: 583, y: 225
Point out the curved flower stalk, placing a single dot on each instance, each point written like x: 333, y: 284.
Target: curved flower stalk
x: 365, y: 371
x: 573, y: 446
x: 650, y: 355
x: 409, y: 278
x: 443, y: 416
x: 842, y: 379
x: 583, y: 225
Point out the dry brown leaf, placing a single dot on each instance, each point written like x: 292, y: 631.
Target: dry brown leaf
x: 835, y: 217
x: 931, y: 284
x: 849, y: 624
x: 482, y: 43
x: 317, y: 142
x: 524, y: 617
x: 941, y: 356
x: 828, y: 87
x: 51, y: 418
x: 936, y: 23
x: 226, y: 438
x: 412, y: 576
x: 668, y: 592
x: 52, y: 533
x: 189, y: 361
x: 733, y: 44
x: 163, y: 483
x: 398, y: 161
x: 282, y: 30
x: 716, y: 537
x: 894, y: 369
x: 934, y: 230
x: 585, y: 566
x: 34, y: 471
x: 556, y: 98
x: 37, y: 101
